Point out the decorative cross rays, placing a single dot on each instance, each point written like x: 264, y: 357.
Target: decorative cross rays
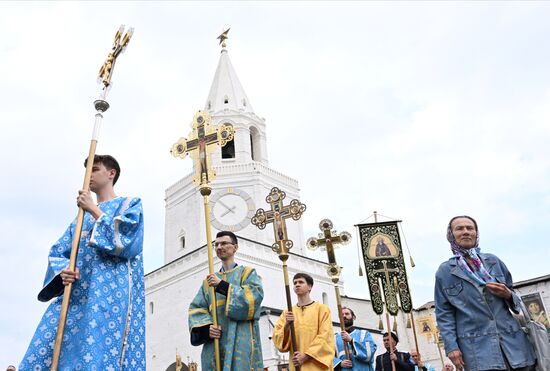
x: 277, y: 216
x: 327, y: 239
x: 200, y: 145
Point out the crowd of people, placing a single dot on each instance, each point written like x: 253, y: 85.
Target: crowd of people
x: 105, y: 325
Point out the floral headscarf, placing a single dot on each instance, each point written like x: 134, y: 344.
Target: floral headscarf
x: 474, y: 268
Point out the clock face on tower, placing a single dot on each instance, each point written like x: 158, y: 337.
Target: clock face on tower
x: 232, y: 209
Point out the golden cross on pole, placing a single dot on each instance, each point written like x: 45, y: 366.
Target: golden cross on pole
x: 201, y: 144
x: 328, y: 239
x: 199, y: 147
x: 119, y: 44
x: 101, y: 107
x: 283, y: 244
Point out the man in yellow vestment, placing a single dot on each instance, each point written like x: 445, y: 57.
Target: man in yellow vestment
x: 313, y: 325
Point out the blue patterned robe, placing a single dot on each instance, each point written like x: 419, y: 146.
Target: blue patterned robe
x: 362, y: 349
x: 105, y: 327
x: 238, y: 314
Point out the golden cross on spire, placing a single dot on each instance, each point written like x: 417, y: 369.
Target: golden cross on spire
x: 223, y: 37
x: 119, y: 44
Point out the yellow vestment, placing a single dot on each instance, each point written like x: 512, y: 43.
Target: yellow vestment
x: 314, y: 335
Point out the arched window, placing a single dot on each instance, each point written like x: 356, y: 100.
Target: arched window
x: 325, y: 298
x: 151, y: 307
x: 255, y: 147
x: 252, y: 147
x: 228, y: 151
x: 225, y: 100
x: 181, y: 238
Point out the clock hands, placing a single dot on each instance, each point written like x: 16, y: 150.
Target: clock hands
x: 229, y: 209
x: 232, y: 210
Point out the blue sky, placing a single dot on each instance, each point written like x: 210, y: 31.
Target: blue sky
x: 419, y: 110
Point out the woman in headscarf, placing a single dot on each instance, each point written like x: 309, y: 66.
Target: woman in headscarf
x: 473, y: 298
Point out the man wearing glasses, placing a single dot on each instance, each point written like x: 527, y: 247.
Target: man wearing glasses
x: 239, y: 295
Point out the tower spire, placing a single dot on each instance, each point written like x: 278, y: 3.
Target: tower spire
x: 226, y: 92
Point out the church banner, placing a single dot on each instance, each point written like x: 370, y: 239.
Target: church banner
x: 385, y: 266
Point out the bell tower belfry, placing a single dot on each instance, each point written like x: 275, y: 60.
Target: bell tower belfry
x: 243, y: 178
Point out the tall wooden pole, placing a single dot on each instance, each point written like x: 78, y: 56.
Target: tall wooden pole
x: 341, y: 318
x: 205, y: 191
x: 101, y: 105
x: 76, y: 237
x: 387, y: 313
x: 414, y: 333
x: 293, y: 346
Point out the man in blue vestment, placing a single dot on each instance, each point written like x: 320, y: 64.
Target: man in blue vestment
x: 105, y: 326
x: 239, y: 296
x: 360, y: 343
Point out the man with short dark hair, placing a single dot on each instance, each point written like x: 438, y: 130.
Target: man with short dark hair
x: 105, y: 326
x: 360, y: 344
x: 402, y: 360
x: 313, y: 328
x: 240, y: 290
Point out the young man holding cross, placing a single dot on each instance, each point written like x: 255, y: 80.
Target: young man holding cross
x: 313, y: 328
x: 239, y: 296
x: 105, y: 326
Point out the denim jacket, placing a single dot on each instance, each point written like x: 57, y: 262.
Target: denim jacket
x: 478, y: 323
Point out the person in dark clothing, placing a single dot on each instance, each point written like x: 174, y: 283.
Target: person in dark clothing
x: 402, y: 360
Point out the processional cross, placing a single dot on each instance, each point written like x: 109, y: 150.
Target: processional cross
x: 200, y: 145
x: 101, y: 106
x: 327, y: 239
x: 106, y: 70
x: 277, y: 215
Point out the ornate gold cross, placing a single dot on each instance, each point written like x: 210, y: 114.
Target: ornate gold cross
x: 327, y: 239
x: 277, y: 216
x: 283, y: 244
x: 119, y: 44
x: 200, y: 145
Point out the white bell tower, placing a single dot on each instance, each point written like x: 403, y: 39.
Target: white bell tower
x: 243, y: 178
x: 242, y: 183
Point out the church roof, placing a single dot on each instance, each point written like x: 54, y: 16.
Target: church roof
x: 226, y: 91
